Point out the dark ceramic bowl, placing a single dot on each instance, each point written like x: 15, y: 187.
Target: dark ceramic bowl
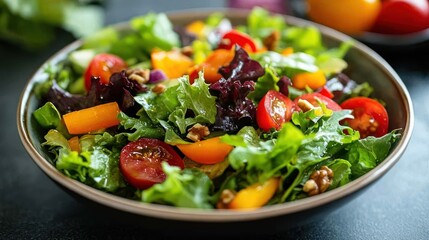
x: 364, y: 65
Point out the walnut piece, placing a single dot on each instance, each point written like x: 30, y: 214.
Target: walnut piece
x: 139, y: 75
x: 225, y: 198
x: 305, y: 106
x: 319, y: 181
x: 271, y: 41
x: 197, y: 132
x: 159, y: 88
x: 187, y: 51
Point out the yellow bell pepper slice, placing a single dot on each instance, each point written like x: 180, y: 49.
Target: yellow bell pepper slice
x: 255, y: 195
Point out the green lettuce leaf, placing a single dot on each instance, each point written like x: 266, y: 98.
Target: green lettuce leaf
x: 173, y: 104
x: 47, y: 116
x: 95, y: 165
x: 73, y: 164
x: 263, y: 159
x: 342, y: 171
x: 197, y: 98
x: 367, y: 153
x: 32, y: 23
x: 288, y: 65
x: 156, y: 31
x: 264, y: 84
x: 140, y: 127
x: 188, y: 188
x: 104, y: 169
x: 260, y: 23
x: 303, y: 39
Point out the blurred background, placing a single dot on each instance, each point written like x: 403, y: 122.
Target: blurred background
x: 34, y: 24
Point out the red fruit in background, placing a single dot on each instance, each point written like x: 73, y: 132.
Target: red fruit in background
x: 402, y: 17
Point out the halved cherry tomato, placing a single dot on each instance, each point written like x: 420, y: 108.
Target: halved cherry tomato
x: 313, y: 97
x: 217, y: 59
x: 370, y: 117
x: 402, y: 17
x: 233, y: 37
x: 140, y: 162
x: 103, y: 65
x: 349, y: 16
x: 209, y: 151
x: 273, y: 110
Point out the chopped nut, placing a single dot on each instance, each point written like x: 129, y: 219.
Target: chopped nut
x: 305, y: 105
x: 225, y: 41
x: 139, y: 75
x: 310, y: 187
x: 197, y: 132
x: 226, y: 197
x: 319, y: 181
x: 271, y: 41
x: 187, y: 51
x: 159, y: 88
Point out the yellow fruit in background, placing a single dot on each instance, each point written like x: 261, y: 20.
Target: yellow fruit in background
x: 348, y: 16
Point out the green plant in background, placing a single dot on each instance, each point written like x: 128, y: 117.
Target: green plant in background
x: 32, y: 24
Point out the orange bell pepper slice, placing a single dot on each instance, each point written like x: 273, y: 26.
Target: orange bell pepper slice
x: 314, y: 80
x: 173, y: 63
x: 217, y: 59
x: 209, y: 151
x: 196, y: 28
x: 92, y: 119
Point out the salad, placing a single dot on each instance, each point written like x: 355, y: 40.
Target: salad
x: 211, y: 115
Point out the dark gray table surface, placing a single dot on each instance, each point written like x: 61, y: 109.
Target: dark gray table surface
x: 33, y: 207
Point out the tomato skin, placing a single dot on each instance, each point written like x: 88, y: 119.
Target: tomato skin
x: 312, y: 98
x: 103, y: 65
x: 349, y: 16
x: 233, y: 37
x: 370, y: 117
x: 273, y: 110
x: 140, y: 162
x: 326, y: 92
x: 402, y: 17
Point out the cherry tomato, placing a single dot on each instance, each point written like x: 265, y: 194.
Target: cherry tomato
x: 233, y: 37
x: 370, y: 117
x: 402, y: 17
x: 313, y: 97
x: 140, y: 162
x: 273, y: 110
x: 103, y: 65
x: 209, y: 151
x: 349, y: 16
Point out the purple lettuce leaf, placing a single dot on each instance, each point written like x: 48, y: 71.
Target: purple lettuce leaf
x: 120, y: 89
x: 234, y: 109
x: 242, y: 67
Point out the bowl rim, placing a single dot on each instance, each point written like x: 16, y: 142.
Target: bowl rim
x: 216, y: 215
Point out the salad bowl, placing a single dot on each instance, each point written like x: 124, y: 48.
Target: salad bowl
x: 363, y: 63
